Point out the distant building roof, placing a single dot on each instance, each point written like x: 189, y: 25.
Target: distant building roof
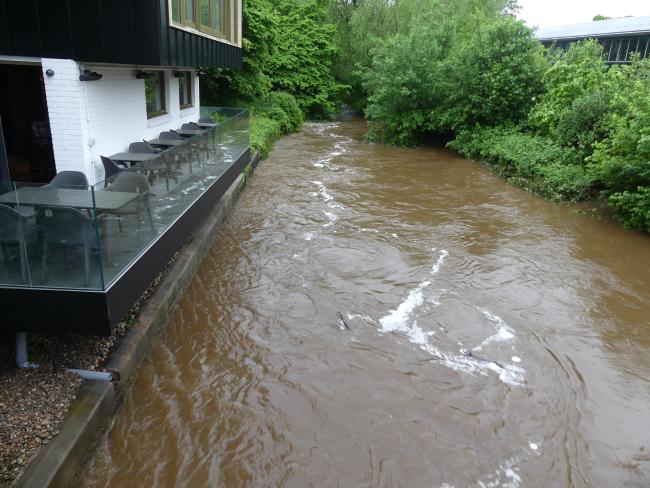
x: 600, y: 28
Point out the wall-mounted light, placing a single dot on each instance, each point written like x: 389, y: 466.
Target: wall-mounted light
x: 201, y: 73
x: 87, y: 75
x: 49, y: 73
x: 143, y: 75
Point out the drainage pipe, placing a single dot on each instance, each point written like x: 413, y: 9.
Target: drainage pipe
x: 22, y: 362
x: 92, y: 375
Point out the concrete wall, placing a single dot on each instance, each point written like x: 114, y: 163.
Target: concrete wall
x: 89, y: 119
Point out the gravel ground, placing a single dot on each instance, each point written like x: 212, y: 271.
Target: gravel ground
x: 33, y: 402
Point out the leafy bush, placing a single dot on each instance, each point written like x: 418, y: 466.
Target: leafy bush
x: 281, y: 107
x: 263, y: 133
x: 288, y: 46
x: 446, y: 75
x: 633, y: 208
x: 621, y: 161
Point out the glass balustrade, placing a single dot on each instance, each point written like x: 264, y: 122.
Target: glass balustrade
x: 75, y: 237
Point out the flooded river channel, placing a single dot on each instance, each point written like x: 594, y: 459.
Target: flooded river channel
x: 496, y: 340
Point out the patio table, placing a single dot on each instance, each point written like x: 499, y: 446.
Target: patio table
x: 189, y: 132
x: 131, y: 157
x: 166, y: 142
x: 207, y: 125
x: 105, y: 201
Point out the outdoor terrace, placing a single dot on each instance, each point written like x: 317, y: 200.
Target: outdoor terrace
x: 75, y: 259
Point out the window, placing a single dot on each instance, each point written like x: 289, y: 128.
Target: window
x: 207, y: 16
x: 176, y: 10
x: 154, y: 89
x: 185, y: 90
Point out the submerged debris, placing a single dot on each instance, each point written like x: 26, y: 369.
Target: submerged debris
x: 479, y: 358
x: 343, y: 325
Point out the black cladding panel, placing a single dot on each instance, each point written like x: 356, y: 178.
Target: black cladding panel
x: 135, y: 32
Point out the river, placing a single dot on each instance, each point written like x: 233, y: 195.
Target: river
x: 496, y: 339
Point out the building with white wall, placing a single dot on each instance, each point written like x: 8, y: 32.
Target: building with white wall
x: 53, y: 118
x: 84, y: 79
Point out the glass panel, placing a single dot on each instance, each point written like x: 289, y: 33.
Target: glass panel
x: 164, y: 187
x: 205, y: 12
x: 66, y: 235
x: 49, y: 236
x: 613, y: 50
x: 185, y: 90
x: 155, y: 94
x: 622, y: 54
x: 216, y: 15
x: 176, y: 10
x: 189, y: 10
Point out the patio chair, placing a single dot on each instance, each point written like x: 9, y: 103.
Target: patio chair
x: 67, y: 228
x: 16, y: 230
x: 111, y: 168
x: 75, y: 180
x: 190, y: 126
x: 170, y: 134
x: 131, y: 182
x: 165, y: 165
x: 143, y: 147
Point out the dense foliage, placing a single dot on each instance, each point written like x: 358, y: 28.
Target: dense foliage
x: 558, y: 122
x: 288, y: 46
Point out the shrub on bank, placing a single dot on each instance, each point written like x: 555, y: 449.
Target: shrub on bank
x: 281, y: 107
x: 633, y: 208
x: 263, y: 133
x: 273, y: 115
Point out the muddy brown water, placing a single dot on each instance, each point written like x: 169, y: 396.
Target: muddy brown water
x: 496, y: 339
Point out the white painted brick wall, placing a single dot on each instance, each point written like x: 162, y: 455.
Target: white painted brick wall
x: 100, y: 118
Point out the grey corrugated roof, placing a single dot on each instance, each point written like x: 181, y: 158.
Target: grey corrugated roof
x: 626, y: 25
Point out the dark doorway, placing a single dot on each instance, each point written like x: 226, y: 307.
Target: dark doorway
x: 25, y: 123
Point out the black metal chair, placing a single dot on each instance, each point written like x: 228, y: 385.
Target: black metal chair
x: 111, y: 168
x: 143, y: 147
x: 16, y: 230
x: 75, y: 180
x: 131, y: 182
x: 190, y: 126
x: 67, y: 228
x: 170, y: 134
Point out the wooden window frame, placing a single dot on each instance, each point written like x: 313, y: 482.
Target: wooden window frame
x: 163, y: 96
x: 187, y: 75
x: 229, y: 20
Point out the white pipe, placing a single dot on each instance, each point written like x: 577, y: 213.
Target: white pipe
x: 22, y: 360
x: 92, y: 375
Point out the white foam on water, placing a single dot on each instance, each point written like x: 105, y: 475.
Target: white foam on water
x: 533, y: 446
x: 503, y: 331
x: 367, y: 318
x: 399, y: 320
x: 516, y: 359
x: 308, y: 236
x: 394, y: 235
x: 505, y: 476
x: 332, y: 218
